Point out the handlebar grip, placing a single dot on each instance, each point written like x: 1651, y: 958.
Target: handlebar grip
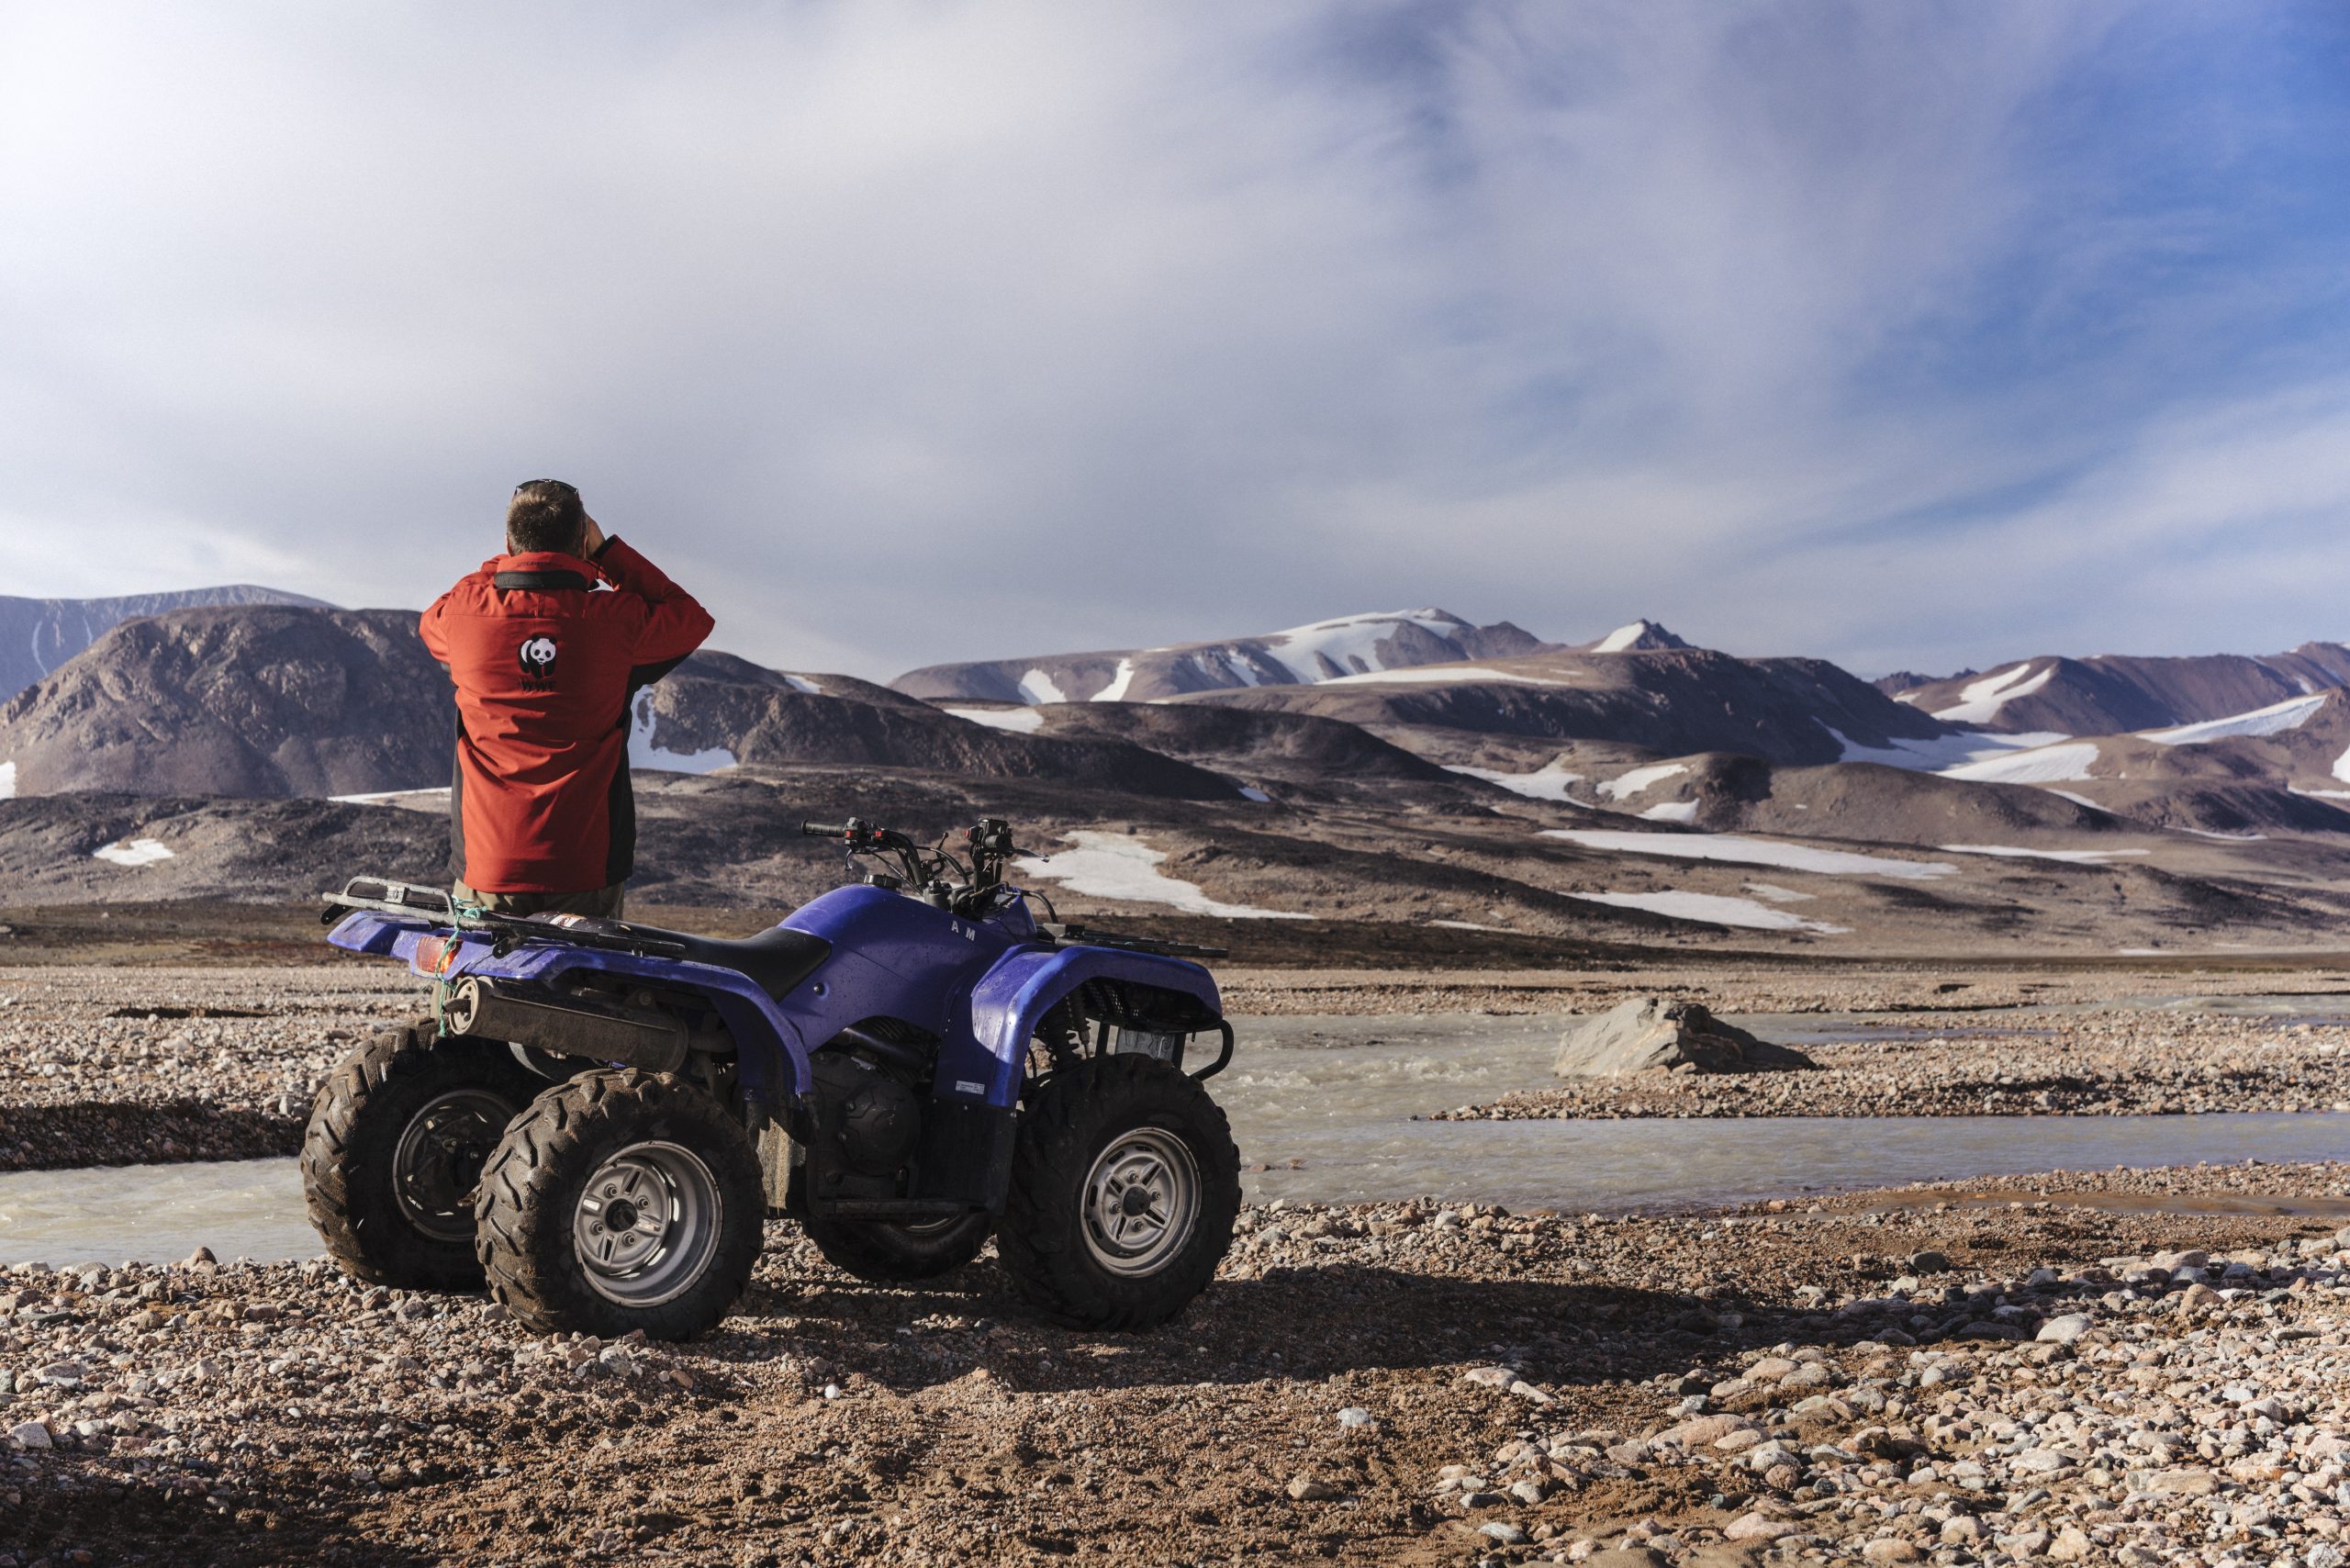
x: 824, y: 830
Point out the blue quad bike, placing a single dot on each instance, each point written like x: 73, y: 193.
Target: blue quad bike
x: 600, y: 1116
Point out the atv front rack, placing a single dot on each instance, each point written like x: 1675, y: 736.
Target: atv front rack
x: 1088, y: 936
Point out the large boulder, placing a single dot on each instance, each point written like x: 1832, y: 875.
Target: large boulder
x: 1653, y: 1034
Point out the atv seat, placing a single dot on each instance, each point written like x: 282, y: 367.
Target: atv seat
x: 777, y: 959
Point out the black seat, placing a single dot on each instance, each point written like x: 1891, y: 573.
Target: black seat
x: 777, y: 959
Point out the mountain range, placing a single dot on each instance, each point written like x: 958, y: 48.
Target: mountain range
x: 37, y: 635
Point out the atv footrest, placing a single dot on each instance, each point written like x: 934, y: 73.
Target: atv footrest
x: 889, y: 1208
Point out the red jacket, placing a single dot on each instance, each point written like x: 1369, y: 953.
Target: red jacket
x: 544, y: 663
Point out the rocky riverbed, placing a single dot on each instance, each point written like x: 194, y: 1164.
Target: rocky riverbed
x: 130, y: 1065
x: 2124, y: 1063
x: 136, y: 1066
x: 1953, y: 1376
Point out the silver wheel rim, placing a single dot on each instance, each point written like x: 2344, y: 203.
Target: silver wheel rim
x: 647, y: 1224
x: 1142, y: 1202
x: 438, y: 1162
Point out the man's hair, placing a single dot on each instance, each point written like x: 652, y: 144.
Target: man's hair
x: 545, y: 514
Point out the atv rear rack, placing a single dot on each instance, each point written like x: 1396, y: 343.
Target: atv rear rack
x: 387, y: 896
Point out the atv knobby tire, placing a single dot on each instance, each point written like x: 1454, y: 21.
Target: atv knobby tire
x: 894, y: 1252
x: 396, y: 1141
x: 1088, y: 1143
x: 621, y: 1200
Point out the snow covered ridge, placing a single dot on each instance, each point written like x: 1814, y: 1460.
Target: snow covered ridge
x: 7, y: 780
x: 1980, y: 702
x: 1019, y: 720
x: 2275, y: 718
x: 1433, y: 673
x: 1733, y: 849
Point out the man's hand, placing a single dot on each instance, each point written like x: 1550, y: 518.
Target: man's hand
x: 591, y: 537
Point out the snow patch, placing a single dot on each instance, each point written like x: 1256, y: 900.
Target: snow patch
x: 7, y: 780
x: 1777, y: 894
x: 2070, y: 856
x: 2079, y: 801
x: 387, y: 797
x: 2045, y: 765
x: 643, y: 752
x: 2270, y: 721
x: 1118, y: 866
x: 1251, y: 793
x: 1545, y: 783
x: 1349, y: 643
x: 2342, y: 767
x: 1019, y: 720
x: 1713, y: 909
x: 1639, y: 778
x: 131, y: 852
x: 802, y: 683
x: 1671, y: 812
x: 1621, y: 638
x: 1980, y: 702
x: 1736, y: 850
x: 1038, y: 687
x: 1440, y: 672
x: 1943, y: 751
x: 1119, y: 683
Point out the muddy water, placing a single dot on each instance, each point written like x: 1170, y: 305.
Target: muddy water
x: 1327, y: 1105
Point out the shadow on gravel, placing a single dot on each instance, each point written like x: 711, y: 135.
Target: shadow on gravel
x: 1307, y: 1324
x: 57, y: 1138
x: 118, y: 1523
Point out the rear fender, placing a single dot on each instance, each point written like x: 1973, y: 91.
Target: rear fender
x: 1014, y: 996
x: 772, y: 1058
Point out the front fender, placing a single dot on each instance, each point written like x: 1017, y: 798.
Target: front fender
x: 1012, y: 998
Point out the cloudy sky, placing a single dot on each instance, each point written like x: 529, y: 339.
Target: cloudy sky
x: 1906, y: 334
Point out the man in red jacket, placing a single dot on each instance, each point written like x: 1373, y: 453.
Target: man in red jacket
x: 547, y: 644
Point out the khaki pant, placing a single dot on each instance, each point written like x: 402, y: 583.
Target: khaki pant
x: 604, y: 903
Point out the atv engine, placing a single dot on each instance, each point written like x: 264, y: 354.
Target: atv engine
x: 867, y: 1114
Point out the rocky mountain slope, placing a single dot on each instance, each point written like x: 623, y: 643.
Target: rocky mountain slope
x: 2112, y: 694
x: 256, y: 700
x: 1669, y: 701
x: 37, y: 635
x: 274, y: 700
x: 1327, y: 650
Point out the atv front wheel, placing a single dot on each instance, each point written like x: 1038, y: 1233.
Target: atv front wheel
x: 395, y: 1145
x: 1125, y: 1184
x: 899, y: 1252
x: 622, y: 1200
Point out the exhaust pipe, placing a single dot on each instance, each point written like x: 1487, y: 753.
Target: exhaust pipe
x: 637, y: 1037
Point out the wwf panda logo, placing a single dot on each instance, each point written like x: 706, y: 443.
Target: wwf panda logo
x: 538, y: 658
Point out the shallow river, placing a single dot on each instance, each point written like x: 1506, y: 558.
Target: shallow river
x: 1336, y: 1097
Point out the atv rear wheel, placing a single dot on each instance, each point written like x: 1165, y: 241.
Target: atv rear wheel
x: 396, y: 1144
x: 899, y: 1252
x: 1125, y: 1184
x: 623, y: 1200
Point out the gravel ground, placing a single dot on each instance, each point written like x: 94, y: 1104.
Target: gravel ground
x: 101, y: 1067
x: 1915, y: 1375
x: 2110, y: 1064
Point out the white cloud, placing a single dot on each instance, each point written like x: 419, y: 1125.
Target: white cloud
x: 1145, y: 324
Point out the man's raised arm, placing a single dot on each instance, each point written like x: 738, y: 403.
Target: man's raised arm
x: 675, y: 624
